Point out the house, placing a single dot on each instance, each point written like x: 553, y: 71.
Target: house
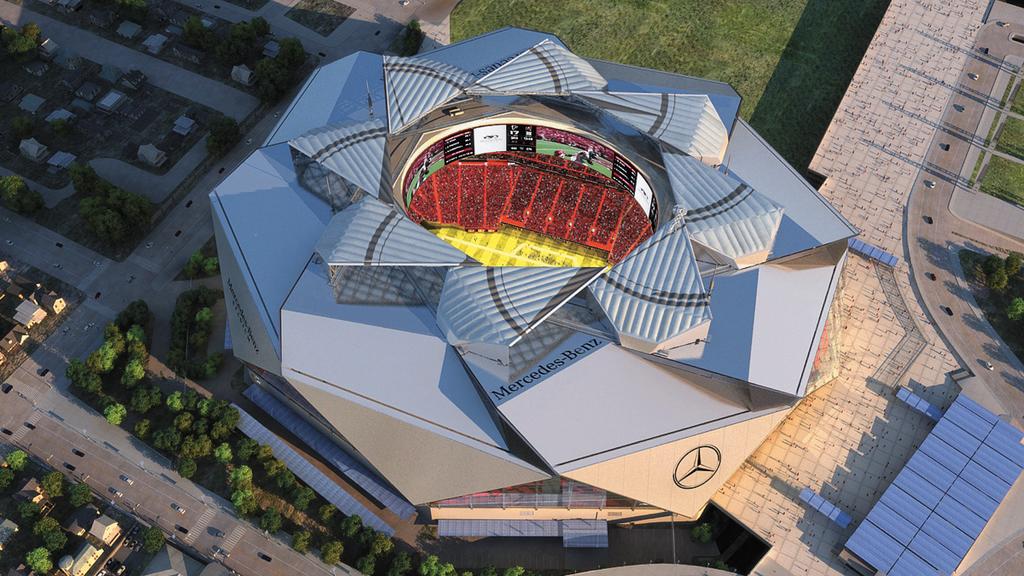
x: 37, y: 68
x: 9, y: 91
x: 48, y: 49
x: 151, y: 155
x: 271, y: 49
x: 155, y: 43
x: 83, y: 105
x: 81, y: 520
x: 111, y: 101
x: 110, y: 73
x: 31, y: 491
x: 132, y: 79
x: 242, y: 74
x: 81, y: 563
x: 21, y: 570
x: 102, y: 17
x: 59, y: 114
x: 51, y: 300
x: 133, y: 110
x: 128, y: 30
x: 4, y: 266
x: 14, y: 340
x: 28, y: 313
x: 186, y: 53
x: 32, y: 149
x: 105, y: 529
x: 31, y: 103
x: 174, y: 30
x: 61, y: 160
x: 88, y: 91
x: 170, y: 561
x: 68, y: 59
x: 7, y: 530
x: 183, y: 125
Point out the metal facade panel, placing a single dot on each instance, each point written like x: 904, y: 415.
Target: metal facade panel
x: 656, y: 292
x: 546, y: 68
x: 371, y: 233
x: 934, y: 553
x: 901, y: 529
x: 944, y: 454
x: 584, y: 533
x: 498, y: 528
x: 355, y: 152
x: 499, y: 305
x: 932, y: 472
x: 874, y: 546
x: 971, y: 423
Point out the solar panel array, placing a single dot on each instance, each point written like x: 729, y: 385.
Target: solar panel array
x: 825, y: 507
x: 331, y: 452
x: 309, y: 474
x: 933, y: 511
x: 873, y: 252
x: 918, y: 403
x: 574, y: 533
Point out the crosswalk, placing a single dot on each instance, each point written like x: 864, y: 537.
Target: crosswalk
x: 200, y: 525
x: 233, y: 538
x: 20, y: 432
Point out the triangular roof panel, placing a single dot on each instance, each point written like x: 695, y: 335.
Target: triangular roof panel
x: 354, y: 152
x: 371, y: 233
x: 499, y: 305
x: 547, y: 68
x: 415, y: 86
x: 687, y: 122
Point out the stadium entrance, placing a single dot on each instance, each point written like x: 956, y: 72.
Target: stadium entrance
x: 518, y: 195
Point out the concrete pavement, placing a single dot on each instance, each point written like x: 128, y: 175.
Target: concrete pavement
x: 156, y: 187
x: 194, y: 87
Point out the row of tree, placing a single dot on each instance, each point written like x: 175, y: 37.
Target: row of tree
x: 115, y: 216
x: 191, y: 326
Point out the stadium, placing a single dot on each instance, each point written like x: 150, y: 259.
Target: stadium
x: 524, y: 293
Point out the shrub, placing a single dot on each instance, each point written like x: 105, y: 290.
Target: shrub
x: 187, y: 468
x: 115, y: 413
x: 327, y: 512
x: 300, y: 541
x: 18, y: 196
x: 53, y: 484
x: 1015, y: 311
x: 331, y: 552
x: 367, y: 564
x: 17, y: 460
x: 152, y: 539
x: 271, y: 520
x: 79, y: 495
x: 701, y: 533
x: 39, y: 561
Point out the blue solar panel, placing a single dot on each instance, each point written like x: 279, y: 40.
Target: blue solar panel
x: 584, y: 534
x: 919, y: 488
x: 901, y: 529
x: 932, y: 472
x: 956, y: 513
x: 973, y: 498
x: 951, y: 537
x: 873, y: 252
x: 969, y: 421
x: 997, y: 464
x: 934, y: 553
x: 906, y: 505
x: 978, y: 409
x: 983, y: 480
x: 943, y: 453
x: 910, y: 564
x: 1005, y: 439
x: 874, y: 546
x: 954, y: 435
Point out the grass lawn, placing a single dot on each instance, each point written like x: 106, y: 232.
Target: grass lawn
x: 320, y: 16
x: 1004, y: 179
x: 1011, y: 139
x: 791, y: 60
x: 1018, y: 101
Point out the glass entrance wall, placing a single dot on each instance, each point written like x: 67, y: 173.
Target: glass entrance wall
x: 555, y: 492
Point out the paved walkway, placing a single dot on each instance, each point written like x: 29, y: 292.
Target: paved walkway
x: 156, y: 187
x: 190, y: 85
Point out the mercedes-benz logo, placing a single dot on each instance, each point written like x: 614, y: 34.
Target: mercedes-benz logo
x: 697, y: 466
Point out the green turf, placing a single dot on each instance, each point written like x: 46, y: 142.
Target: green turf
x: 1004, y: 179
x: 791, y: 60
x: 1018, y: 101
x: 1011, y: 139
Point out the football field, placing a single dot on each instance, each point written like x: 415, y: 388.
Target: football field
x: 549, y: 147
x: 510, y: 246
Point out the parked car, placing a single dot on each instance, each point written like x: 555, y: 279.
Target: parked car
x: 176, y: 508
x: 127, y: 480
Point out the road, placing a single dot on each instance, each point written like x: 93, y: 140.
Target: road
x: 933, y: 247
x: 165, y: 75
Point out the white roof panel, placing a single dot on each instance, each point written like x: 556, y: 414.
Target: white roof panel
x: 417, y: 85
x: 355, y: 152
x: 546, y: 68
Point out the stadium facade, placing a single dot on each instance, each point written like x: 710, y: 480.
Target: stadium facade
x: 512, y: 282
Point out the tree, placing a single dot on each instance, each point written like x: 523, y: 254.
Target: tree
x: 187, y: 468
x: 184, y: 421
x: 246, y: 449
x: 241, y: 478
x: 28, y: 510
x: 83, y: 378
x: 152, y: 539
x: 222, y: 453
x: 381, y: 544
x: 115, y: 216
x: 22, y: 127
x: 327, y: 512
x: 412, y: 39
x: 224, y: 134
x: 211, y: 266
x: 144, y: 399
x: 998, y: 280
x: 50, y: 532
x: 291, y: 55
x: 197, y: 35
x: 18, y: 196
x: 331, y: 552
x: 264, y: 453
x: 133, y: 9
x: 274, y: 467
x: 115, y: 413
x: 300, y: 541
x: 53, y: 484
x: 701, y: 533
x: 39, y: 561
x: 285, y: 479
x: 400, y: 564
x: 302, y: 496
x: 244, y: 501
x: 351, y: 525
x: 134, y: 371
x: 79, y: 494
x: 17, y: 460
x: 6, y: 478
x: 514, y: 571
x: 174, y: 402
x: 432, y: 566
x: 167, y: 439
x: 1015, y: 311
x: 367, y: 564
x: 61, y: 127
x: 272, y: 80
x: 135, y: 314
x: 142, y: 428
x: 1013, y: 263
x: 271, y: 520
x: 196, y: 446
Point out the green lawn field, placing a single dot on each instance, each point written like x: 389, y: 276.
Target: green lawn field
x: 1004, y: 179
x: 791, y: 60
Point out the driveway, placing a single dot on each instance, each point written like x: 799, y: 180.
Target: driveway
x: 190, y: 85
x: 156, y: 187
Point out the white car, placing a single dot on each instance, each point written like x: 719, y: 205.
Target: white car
x: 177, y: 508
x: 988, y: 365
x: 127, y: 480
